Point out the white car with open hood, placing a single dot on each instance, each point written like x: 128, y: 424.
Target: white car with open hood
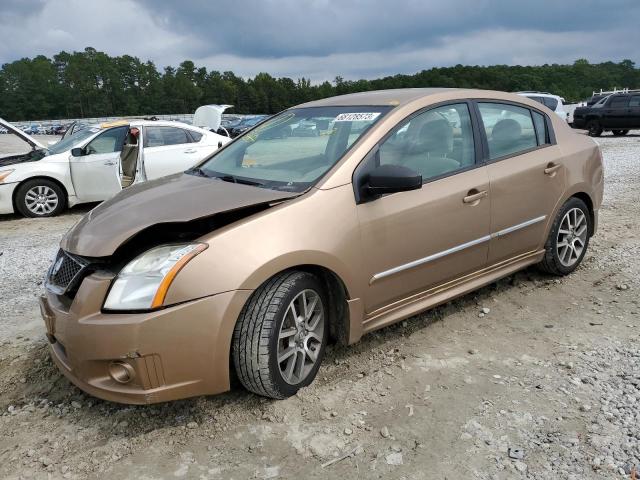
x: 97, y: 162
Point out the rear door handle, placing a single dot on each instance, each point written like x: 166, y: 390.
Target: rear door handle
x: 474, y: 196
x: 190, y: 150
x: 552, y: 168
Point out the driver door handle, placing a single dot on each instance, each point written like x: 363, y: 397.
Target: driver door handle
x: 474, y: 196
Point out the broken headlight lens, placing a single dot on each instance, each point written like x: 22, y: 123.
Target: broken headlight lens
x: 143, y: 283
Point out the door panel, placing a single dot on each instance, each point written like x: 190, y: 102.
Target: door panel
x: 163, y: 161
x: 95, y: 177
x: 96, y: 174
x: 168, y: 150
x: 432, y: 228
x: 522, y: 197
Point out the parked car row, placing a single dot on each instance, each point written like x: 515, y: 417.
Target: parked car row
x: 93, y: 163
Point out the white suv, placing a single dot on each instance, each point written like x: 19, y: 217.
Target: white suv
x: 554, y: 102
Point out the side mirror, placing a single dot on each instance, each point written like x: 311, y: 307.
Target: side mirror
x: 392, y: 179
x: 77, y: 152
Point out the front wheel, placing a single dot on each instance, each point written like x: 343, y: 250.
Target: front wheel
x: 619, y: 133
x: 280, y: 337
x: 40, y: 198
x: 594, y: 128
x: 568, y: 239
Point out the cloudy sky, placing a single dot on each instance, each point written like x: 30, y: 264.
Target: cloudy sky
x: 320, y: 39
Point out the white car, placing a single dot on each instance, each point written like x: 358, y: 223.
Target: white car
x: 97, y: 162
x: 553, y: 102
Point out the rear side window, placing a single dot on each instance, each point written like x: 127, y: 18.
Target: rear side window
x: 551, y: 102
x: 541, y: 128
x: 635, y: 101
x: 509, y: 129
x: 163, y: 136
x: 619, y: 102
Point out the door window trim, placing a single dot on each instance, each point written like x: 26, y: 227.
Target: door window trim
x: 549, y: 134
x: 361, y: 170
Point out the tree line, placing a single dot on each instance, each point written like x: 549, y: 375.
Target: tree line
x: 93, y: 84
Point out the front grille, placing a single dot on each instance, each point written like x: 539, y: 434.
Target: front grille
x: 66, y: 273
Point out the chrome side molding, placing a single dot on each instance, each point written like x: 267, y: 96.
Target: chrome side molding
x: 457, y: 248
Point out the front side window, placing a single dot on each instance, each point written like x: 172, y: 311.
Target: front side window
x: 619, y: 102
x: 164, y: 136
x: 509, y: 129
x: 434, y: 143
x: 635, y: 101
x: 293, y: 150
x: 110, y: 141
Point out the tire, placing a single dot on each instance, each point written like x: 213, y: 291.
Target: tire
x: 559, y: 259
x: 40, y: 198
x: 258, y: 336
x: 619, y: 133
x: 594, y: 128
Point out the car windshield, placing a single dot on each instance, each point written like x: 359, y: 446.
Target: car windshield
x: 71, y: 141
x: 600, y: 103
x: 293, y: 150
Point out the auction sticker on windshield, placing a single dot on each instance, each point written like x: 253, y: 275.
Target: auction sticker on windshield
x: 357, y: 117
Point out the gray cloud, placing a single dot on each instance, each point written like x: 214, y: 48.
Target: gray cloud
x: 324, y: 38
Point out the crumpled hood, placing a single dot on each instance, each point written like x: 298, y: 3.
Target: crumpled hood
x: 173, y: 199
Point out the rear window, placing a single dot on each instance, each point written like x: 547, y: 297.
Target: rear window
x: 551, y: 102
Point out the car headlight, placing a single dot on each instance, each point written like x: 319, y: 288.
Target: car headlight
x: 143, y: 283
x: 4, y: 174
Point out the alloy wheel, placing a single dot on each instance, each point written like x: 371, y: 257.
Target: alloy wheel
x: 572, y: 237
x: 301, y: 336
x: 41, y: 200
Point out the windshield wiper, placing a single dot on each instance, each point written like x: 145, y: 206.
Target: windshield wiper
x: 197, y: 171
x: 234, y: 179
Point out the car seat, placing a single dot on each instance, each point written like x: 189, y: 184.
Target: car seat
x: 430, y: 154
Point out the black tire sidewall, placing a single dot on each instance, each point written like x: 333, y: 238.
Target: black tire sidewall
x: 303, y: 283
x: 553, y: 235
x: 21, y: 192
x: 594, y: 125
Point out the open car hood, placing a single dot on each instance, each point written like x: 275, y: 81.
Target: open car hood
x: 27, y: 138
x: 209, y: 117
x: 175, y: 201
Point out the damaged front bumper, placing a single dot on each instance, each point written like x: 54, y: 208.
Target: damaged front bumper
x: 141, y: 358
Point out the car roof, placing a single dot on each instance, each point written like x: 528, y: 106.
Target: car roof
x: 395, y: 97
x: 140, y: 122
x: 538, y: 94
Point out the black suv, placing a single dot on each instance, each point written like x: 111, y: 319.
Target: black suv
x: 617, y: 113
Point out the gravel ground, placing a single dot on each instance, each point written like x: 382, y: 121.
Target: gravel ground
x: 545, y: 385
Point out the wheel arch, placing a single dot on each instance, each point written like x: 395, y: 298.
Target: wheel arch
x: 586, y: 198
x: 40, y: 177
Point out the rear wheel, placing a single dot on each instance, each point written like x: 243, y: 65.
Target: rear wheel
x: 280, y: 337
x: 619, y: 133
x: 594, y: 128
x: 40, y: 198
x: 568, y: 239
